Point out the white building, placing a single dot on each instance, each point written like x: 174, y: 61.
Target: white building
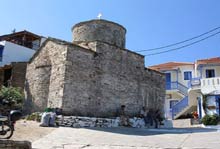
x: 188, y: 83
x: 15, y: 51
x: 10, y: 52
x: 18, y: 46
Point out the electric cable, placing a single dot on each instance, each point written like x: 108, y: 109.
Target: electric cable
x: 187, y: 45
x: 177, y: 43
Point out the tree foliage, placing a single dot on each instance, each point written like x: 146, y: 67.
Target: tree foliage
x: 12, y: 96
x: 210, y: 119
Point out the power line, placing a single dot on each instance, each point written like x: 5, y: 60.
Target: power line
x: 170, y: 45
x: 184, y: 45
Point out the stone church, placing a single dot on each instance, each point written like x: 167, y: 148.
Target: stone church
x: 93, y: 75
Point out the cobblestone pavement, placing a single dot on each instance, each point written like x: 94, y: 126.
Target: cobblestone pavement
x: 129, y: 138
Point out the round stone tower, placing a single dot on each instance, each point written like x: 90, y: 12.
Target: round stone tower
x: 99, y: 30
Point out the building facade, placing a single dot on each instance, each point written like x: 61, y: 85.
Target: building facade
x: 92, y: 76
x: 187, y: 84
x: 16, y: 49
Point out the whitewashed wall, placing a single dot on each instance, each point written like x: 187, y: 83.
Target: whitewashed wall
x: 181, y: 74
x: 216, y: 68
x: 15, y: 53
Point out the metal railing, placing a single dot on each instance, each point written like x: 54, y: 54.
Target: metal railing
x: 178, y: 107
x: 176, y: 85
x: 194, y: 82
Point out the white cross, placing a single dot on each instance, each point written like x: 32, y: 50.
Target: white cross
x: 99, y: 16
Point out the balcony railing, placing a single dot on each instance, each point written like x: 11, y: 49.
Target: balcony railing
x: 194, y: 82
x: 176, y: 85
x: 204, y: 82
x: 177, y: 108
x: 210, y: 82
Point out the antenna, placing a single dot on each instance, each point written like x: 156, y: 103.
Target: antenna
x: 99, y: 16
x: 14, y: 30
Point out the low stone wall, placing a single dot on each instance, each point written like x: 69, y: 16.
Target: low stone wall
x: 77, y: 122
x: 10, y: 144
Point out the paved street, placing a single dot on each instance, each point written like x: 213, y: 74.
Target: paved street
x: 129, y: 138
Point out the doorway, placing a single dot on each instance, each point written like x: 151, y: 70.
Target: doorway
x: 7, y: 77
x: 168, y: 81
x: 218, y: 104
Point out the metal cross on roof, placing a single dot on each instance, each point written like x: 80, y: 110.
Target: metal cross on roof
x: 99, y: 16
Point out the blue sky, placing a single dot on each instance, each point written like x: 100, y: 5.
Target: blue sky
x: 149, y: 23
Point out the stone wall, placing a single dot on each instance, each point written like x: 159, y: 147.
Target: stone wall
x: 78, y: 122
x: 92, y: 82
x: 100, y: 30
x: 97, y: 84
x: 18, y: 74
x: 13, y: 74
x: 79, y: 96
x: 10, y: 144
x: 153, y: 94
x: 44, y: 78
x: 94, y: 77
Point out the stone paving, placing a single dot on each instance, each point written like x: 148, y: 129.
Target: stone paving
x: 129, y: 138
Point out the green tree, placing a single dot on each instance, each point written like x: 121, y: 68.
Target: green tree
x: 13, y: 96
x: 210, y: 119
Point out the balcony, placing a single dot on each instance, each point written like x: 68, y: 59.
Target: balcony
x: 210, y: 85
x: 194, y: 83
x: 207, y: 85
x: 177, y: 86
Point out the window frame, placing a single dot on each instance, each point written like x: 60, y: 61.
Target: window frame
x: 206, y: 73
x: 188, y: 78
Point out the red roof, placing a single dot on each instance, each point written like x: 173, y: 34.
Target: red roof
x: 214, y: 60
x: 169, y: 65
x: 174, y: 65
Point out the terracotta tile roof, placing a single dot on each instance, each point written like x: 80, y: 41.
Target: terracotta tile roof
x: 214, y: 60
x: 169, y: 66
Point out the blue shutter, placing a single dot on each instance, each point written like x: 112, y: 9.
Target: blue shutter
x: 213, y: 73
x: 190, y: 75
x: 207, y: 73
x: 187, y: 75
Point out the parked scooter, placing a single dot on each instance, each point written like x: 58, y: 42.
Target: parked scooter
x: 7, y: 123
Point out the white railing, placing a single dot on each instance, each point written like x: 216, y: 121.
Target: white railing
x: 210, y: 82
x: 210, y: 85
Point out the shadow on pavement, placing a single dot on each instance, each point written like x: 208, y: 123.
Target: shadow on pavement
x: 148, y: 132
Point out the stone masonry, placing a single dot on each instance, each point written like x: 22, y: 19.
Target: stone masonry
x: 18, y: 74
x: 13, y: 74
x: 10, y: 144
x: 93, y: 76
